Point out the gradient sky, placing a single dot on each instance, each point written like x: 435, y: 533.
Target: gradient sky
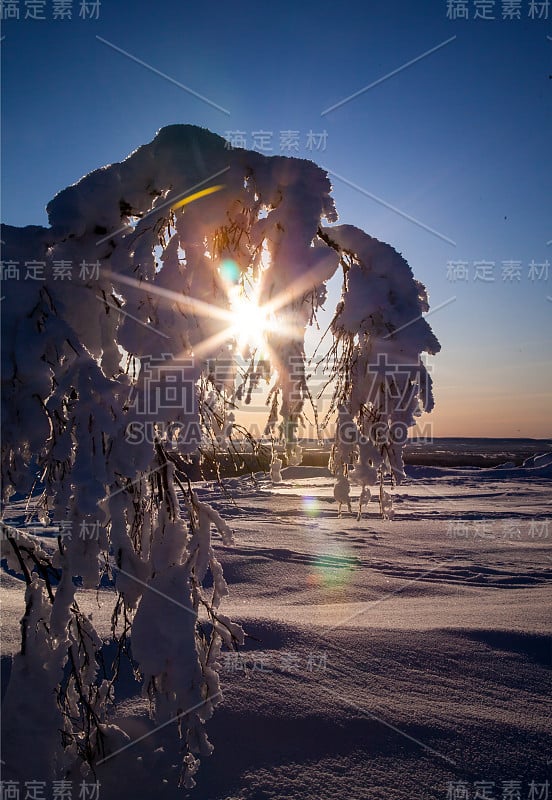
x: 459, y: 141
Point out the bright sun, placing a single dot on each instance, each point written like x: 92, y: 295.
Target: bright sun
x: 250, y: 322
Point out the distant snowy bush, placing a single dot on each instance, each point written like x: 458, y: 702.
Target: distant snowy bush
x: 119, y: 374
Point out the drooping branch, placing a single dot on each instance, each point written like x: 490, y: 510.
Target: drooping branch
x: 102, y: 371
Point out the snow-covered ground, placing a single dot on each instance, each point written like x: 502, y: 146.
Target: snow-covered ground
x: 385, y: 659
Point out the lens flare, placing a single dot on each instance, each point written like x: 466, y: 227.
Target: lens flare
x: 196, y: 196
x: 229, y: 271
x: 310, y: 506
x: 331, y: 569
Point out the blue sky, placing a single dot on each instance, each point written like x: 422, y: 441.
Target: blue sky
x: 459, y: 141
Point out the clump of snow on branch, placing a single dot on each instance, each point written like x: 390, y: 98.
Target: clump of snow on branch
x: 342, y: 492
x: 382, y: 384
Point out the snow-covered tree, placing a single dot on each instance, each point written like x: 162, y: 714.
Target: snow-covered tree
x: 118, y: 373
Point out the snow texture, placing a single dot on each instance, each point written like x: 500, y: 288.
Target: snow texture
x: 386, y: 660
